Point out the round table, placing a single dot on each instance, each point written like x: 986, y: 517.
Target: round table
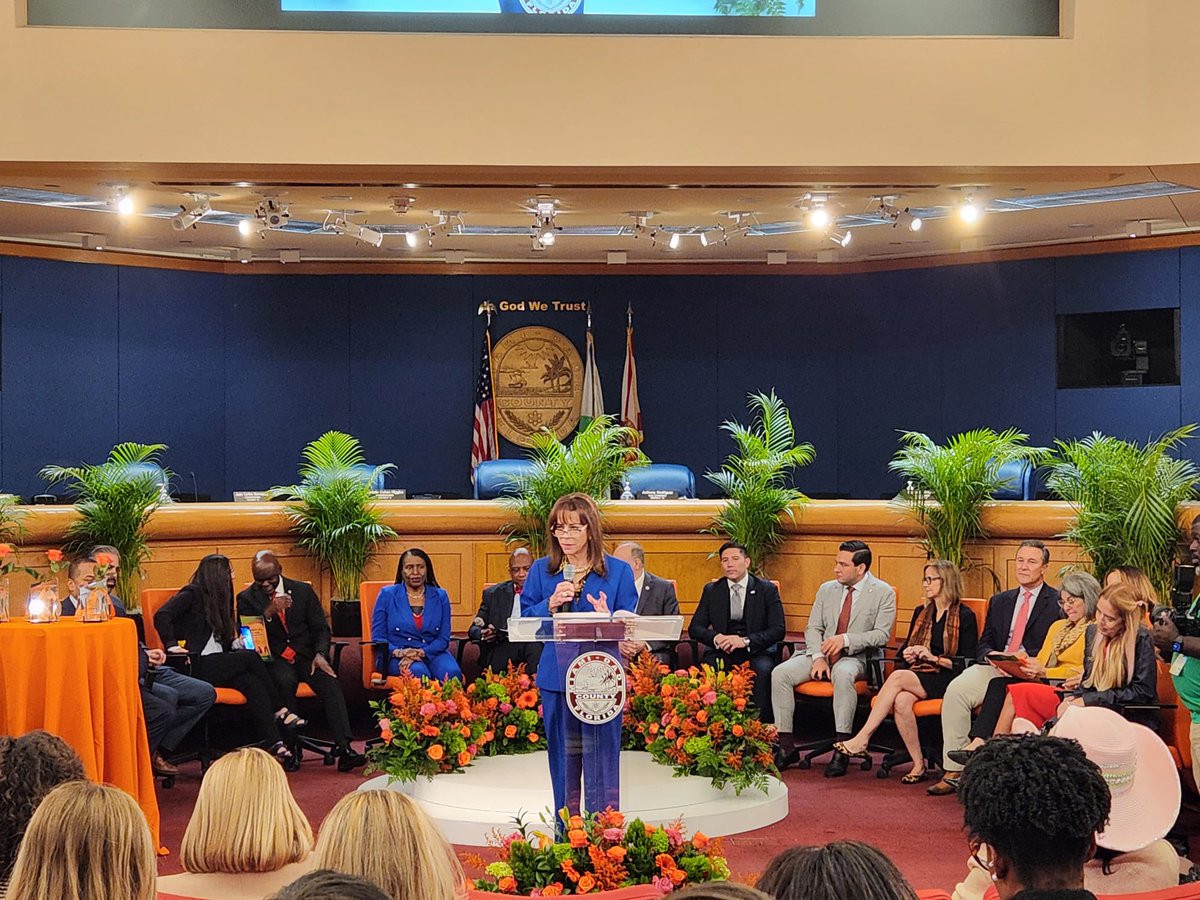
x: 79, y: 680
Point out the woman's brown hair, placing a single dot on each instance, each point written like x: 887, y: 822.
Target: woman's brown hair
x: 589, y: 514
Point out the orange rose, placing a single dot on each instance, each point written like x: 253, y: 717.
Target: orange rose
x: 575, y: 822
x: 533, y: 738
x: 489, y: 736
x: 578, y: 837
x: 104, y: 559
x: 386, y: 734
x: 465, y: 731
x: 615, y: 817
x: 677, y: 875
x: 510, y: 731
x: 463, y: 758
x: 738, y: 730
x: 740, y: 703
x: 553, y: 889
x: 616, y: 853
x: 665, y: 861
x: 429, y: 730
x: 700, y: 840
x: 436, y: 752
x: 586, y: 883
x: 54, y: 555
x: 6, y: 549
x: 491, y: 703
x: 702, y: 716
x: 507, y: 884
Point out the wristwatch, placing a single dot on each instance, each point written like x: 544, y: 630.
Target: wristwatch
x: 1177, y: 647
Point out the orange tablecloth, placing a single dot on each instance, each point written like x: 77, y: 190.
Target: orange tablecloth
x: 79, y: 680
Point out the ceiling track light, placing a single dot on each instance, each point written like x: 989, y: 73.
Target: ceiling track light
x: 187, y: 217
x: 401, y: 205
x: 342, y: 225
x: 273, y: 212
x: 545, y: 232
x: 899, y: 217
x: 120, y: 200
x: 716, y: 235
x: 842, y: 238
x: 969, y: 210
x: 251, y: 225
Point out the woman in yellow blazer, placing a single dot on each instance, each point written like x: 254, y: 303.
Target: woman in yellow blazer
x: 1061, y: 656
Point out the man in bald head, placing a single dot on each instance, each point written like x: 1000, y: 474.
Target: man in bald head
x: 298, y: 636
x: 490, y: 629
x: 656, y: 597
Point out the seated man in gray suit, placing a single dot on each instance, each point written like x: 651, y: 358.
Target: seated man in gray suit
x: 656, y: 597
x: 851, y: 617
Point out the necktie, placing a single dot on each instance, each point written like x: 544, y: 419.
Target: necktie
x: 1018, y: 635
x: 736, y: 604
x: 843, y: 621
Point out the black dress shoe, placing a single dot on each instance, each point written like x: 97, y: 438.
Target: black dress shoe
x: 786, y: 759
x: 959, y: 756
x: 837, y: 766
x: 349, y: 760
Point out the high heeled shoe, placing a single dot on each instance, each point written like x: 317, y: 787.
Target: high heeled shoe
x: 289, y: 719
x: 840, y: 747
x: 281, y: 752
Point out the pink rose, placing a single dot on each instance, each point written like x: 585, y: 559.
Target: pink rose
x: 539, y: 709
x: 674, y: 836
x: 613, y: 834
x: 663, y: 884
x: 451, y: 706
x: 506, y: 708
x: 428, y: 709
x: 710, y: 698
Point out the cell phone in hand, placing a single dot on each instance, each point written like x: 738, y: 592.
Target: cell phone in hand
x: 247, y: 638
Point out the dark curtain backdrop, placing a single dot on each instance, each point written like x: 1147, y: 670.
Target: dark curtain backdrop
x: 236, y: 373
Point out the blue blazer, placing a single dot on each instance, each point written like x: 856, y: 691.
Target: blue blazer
x: 618, y: 587
x: 393, y: 622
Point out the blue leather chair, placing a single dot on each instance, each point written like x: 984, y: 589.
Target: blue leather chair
x: 662, y: 477
x: 493, y: 477
x: 1020, y: 481
x: 142, y: 469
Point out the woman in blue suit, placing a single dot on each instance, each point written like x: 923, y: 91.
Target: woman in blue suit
x: 600, y: 583
x: 413, y: 617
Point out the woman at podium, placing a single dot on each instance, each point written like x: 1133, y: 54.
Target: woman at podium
x: 577, y: 576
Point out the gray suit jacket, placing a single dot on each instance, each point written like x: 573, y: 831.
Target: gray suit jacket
x: 658, y: 599
x: 871, y: 621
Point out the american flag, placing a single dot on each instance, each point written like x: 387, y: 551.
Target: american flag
x: 484, y: 444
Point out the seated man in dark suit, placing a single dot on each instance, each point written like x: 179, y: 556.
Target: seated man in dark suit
x: 298, y: 636
x: 172, y: 702
x: 656, y: 597
x: 740, y: 619
x: 500, y: 603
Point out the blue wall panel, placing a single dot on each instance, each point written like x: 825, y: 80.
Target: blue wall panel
x: 61, y: 334
x: 171, y: 379
x: 1189, y: 335
x: 1133, y: 414
x: 1113, y: 281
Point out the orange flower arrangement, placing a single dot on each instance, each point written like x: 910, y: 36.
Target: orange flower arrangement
x: 427, y: 728
x: 512, y: 706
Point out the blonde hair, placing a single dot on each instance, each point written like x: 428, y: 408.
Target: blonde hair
x: 384, y: 837
x: 86, y: 841
x: 245, y: 819
x: 1112, y: 660
x: 1138, y: 582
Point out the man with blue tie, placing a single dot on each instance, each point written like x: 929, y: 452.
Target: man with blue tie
x: 1017, y: 621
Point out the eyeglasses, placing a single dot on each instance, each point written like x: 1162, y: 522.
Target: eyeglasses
x: 930, y: 579
x: 568, y: 529
x: 1067, y: 600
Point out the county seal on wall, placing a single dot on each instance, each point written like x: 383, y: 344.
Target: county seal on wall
x: 539, y: 384
x: 595, y: 687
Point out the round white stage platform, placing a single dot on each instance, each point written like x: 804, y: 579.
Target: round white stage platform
x: 494, y: 789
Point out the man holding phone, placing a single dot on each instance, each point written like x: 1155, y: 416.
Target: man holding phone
x: 298, y: 639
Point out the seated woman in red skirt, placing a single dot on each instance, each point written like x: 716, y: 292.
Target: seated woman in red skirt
x: 1119, y: 666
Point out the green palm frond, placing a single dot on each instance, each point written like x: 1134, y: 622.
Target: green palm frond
x: 596, y: 459
x: 947, y: 486
x: 756, y: 480
x: 333, y: 512
x: 115, y: 506
x: 1126, y: 498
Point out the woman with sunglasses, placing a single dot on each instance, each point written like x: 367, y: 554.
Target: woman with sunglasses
x: 577, y: 576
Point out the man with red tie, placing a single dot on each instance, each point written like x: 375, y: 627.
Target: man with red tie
x: 852, y: 616
x: 1017, y: 621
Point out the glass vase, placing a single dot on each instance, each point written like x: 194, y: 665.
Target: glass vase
x: 4, y: 600
x: 96, y: 607
x: 42, y: 605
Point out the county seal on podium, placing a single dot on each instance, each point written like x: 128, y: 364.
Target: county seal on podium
x: 539, y: 384
x: 595, y: 687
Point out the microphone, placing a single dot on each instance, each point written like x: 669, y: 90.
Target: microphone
x: 568, y: 573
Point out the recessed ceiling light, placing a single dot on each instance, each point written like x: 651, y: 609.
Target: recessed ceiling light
x: 1081, y: 225
x: 338, y: 198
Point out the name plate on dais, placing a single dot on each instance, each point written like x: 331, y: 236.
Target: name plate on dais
x: 539, y: 384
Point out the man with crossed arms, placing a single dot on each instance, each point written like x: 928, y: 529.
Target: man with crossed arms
x: 851, y: 616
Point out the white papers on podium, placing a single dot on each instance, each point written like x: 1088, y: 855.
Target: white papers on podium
x: 641, y: 628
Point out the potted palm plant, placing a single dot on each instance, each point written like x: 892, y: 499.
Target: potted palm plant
x: 115, y: 500
x: 756, y: 479
x: 333, y: 512
x: 948, y: 485
x: 596, y: 458
x: 1126, y: 498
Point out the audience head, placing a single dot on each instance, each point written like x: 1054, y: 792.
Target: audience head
x: 720, y: 890
x: 839, y: 869
x: 942, y: 580
x: 573, y: 527
x: 86, y: 841
x: 519, y: 562
x: 386, y: 838
x: 415, y: 569
x: 80, y: 572
x: 325, y: 884
x: 1037, y: 803
x: 1194, y: 546
x: 852, y: 562
x: 1137, y: 766
x: 30, y: 767
x: 1137, y: 581
x: 245, y: 818
x: 266, y: 570
x: 213, y: 579
x: 114, y: 568
x: 1032, y: 559
x: 1119, y: 614
x: 735, y: 560
x: 632, y: 553
x: 1079, y: 594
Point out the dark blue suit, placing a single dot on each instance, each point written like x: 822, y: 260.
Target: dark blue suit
x: 578, y: 752
x: 393, y: 622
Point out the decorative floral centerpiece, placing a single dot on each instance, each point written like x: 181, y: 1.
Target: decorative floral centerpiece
x: 601, y: 853
x: 428, y: 728
x: 512, y: 706
x: 700, y: 721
